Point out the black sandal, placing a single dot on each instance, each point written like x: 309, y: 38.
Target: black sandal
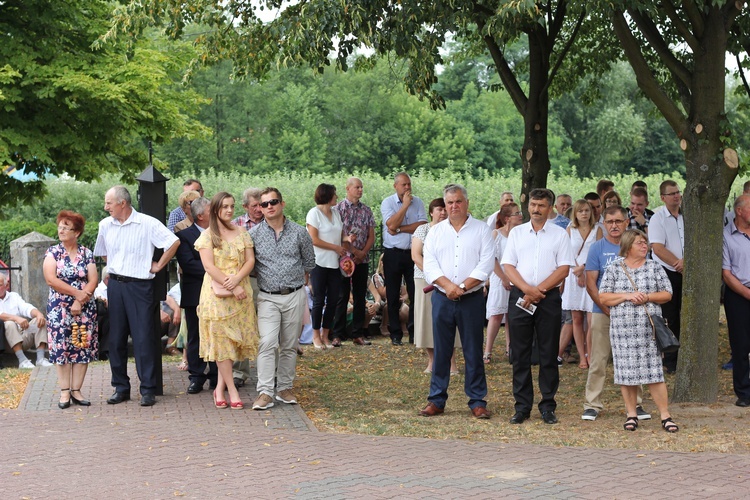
x: 669, y: 425
x: 630, y: 424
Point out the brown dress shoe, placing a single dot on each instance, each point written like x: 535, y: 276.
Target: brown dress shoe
x: 431, y: 410
x: 361, y: 341
x: 480, y: 412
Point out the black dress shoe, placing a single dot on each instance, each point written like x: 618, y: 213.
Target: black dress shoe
x: 148, y: 400
x: 238, y: 382
x: 79, y: 402
x: 519, y: 417
x: 212, y: 385
x: 118, y: 397
x: 194, y: 388
x: 549, y: 417
x: 743, y: 403
x: 396, y: 342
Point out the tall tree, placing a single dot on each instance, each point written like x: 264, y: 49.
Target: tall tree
x: 68, y: 109
x: 308, y: 32
x: 678, y: 50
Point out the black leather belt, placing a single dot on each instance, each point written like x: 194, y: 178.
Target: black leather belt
x: 464, y: 296
x: 402, y: 250
x: 126, y: 279
x: 283, y: 291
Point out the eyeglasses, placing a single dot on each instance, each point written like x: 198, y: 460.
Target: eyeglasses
x: 516, y: 213
x: 273, y: 203
x: 640, y: 243
x: 675, y: 193
x: 614, y: 222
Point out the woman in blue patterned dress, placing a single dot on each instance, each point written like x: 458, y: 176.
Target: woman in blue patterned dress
x: 635, y: 357
x: 70, y: 272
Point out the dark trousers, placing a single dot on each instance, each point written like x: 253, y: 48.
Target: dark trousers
x: 545, y: 323
x: 357, y: 286
x: 737, y: 309
x: 671, y: 312
x: 326, y: 284
x: 468, y: 316
x: 131, y: 312
x: 196, y: 365
x: 397, y: 265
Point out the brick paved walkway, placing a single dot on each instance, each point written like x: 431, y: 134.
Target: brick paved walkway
x: 183, y: 447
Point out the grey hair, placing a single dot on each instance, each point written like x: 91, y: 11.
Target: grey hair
x: 122, y: 194
x: 4, y: 277
x: 741, y: 201
x: 250, y: 194
x: 105, y: 272
x: 400, y: 174
x: 198, y: 207
x: 452, y: 188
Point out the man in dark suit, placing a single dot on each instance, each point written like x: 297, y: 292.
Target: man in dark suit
x: 191, y: 282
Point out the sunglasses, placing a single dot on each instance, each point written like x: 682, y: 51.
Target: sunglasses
x: 273, y: 203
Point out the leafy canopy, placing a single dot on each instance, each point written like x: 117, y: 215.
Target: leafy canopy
x: 66, y: 108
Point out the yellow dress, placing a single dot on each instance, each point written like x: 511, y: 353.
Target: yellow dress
x: 228, y: 327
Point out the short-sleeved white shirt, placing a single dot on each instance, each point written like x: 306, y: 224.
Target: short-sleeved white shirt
x: 536, y: 255
x: 329, y: 230
x: 468, y: 253
x: 668, y: 230
x: 129, y: 247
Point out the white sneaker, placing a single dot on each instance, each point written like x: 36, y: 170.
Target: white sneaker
x: 26, y: 365
x: 44, y: 362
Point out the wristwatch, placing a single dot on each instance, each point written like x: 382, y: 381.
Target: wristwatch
x: 398, y: 230
x: 462, y: 286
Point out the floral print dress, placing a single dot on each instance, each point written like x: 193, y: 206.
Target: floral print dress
x: 73, y: 271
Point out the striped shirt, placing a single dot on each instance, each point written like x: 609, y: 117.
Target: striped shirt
x: 129, y: 247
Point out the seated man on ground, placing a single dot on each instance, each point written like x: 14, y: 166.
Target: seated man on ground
x: 25, y: 326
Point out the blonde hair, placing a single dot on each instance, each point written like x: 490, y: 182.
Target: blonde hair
x: 628, y: 239
x: 578, y: 205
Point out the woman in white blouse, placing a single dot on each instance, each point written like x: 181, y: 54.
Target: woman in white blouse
x: 325, y: 227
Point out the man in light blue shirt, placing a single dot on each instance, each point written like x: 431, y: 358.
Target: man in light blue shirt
x: 402, y: 214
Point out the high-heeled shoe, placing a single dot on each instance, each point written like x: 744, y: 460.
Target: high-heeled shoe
x: 79, y: 402
x: 64, y: 404
x: 219, y: 403
x: 237, y: 405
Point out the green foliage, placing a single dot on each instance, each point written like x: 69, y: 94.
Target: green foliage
x: 68, y: 109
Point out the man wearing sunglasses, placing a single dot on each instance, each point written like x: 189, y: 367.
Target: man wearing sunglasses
x: 666, y: 230
x: 283, y: 256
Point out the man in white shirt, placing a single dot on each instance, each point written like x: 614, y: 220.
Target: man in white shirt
x: 25, y: 326
x: 402, y: 213
x: 666, y: 232
x: 536, y: 259
x: 128, y: 239
x: 458, y: 259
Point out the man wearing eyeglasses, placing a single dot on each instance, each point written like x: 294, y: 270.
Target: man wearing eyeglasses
x: 601, y: 254
x: 667, y: 235
x: 283, y: 256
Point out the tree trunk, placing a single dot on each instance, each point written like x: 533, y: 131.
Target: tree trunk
x: 709, y: 180
x: 535, y: 153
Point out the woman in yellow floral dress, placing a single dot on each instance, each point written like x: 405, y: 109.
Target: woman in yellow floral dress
x: 228, y: 325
